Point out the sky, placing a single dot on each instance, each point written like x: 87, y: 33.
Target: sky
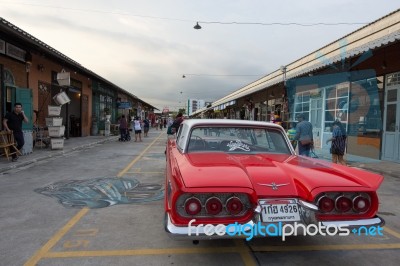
x: 145, y: 47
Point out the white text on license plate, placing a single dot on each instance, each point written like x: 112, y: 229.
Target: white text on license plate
x: 271, y: 213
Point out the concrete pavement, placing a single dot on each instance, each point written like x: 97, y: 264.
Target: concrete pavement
x: 42, y: 153
x: 377, y: 166
x: 74, y: 144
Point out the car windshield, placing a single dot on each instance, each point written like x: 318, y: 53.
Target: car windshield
x: 237, y: 140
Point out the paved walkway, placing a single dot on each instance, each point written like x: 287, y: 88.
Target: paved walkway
x: 378, y: 166
x: 74, y: 144
x: 42, y: 153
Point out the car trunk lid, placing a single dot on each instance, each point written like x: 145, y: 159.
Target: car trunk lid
x: 274, y: 175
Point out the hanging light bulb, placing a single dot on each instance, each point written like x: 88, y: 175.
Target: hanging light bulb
x: 197, y: 26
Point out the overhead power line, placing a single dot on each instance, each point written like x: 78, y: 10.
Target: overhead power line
x: 284, y: 23
x: 217, y: 75
x: 187, y: 20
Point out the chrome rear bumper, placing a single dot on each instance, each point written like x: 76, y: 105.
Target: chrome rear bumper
x: 196, y: 233
x: 192, y: 232
x: 376, y: 221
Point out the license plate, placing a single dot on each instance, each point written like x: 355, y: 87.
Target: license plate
x: 286, y: 212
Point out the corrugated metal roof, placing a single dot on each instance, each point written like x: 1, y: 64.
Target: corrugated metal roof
x: 378, y: 33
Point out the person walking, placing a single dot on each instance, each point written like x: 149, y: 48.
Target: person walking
x: 137, y: 127
x: 304, y: 135
x: 169, y: 126
x: 12, y: 122
x: 146, y: 127
x: 291, y: 133
x: 170, y: 122
x: 338, y: 145
x: 177, y: 122
x: 123, y: 128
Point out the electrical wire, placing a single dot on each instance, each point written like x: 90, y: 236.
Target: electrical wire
x: 198, y: 21
x: 285, y: 23
x: 217, y: 75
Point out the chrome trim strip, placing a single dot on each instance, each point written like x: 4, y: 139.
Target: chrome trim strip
x: 257, y: 209
x: 354, y: 223
x: 181, y: 232
x: 308, y: 205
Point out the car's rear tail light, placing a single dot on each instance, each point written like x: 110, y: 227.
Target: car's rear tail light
x: 343, y: 204
x: 326, y: 204
x: 337, y: 204
x: 234, y: 205
x: 192, y: 206
x: 361, y: 204
x: 213, y: 206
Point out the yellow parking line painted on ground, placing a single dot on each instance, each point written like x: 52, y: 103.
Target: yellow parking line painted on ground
x: 139, y: 252
x: 53, y: 241
x: 42, y: 252
x: 391, y: 232
x: 325, y: 247
x: 239, y: 248
x: 145, y: 172
x: 154, y: 159
x: 245, y: 253
x: 126, y: 169
x: 135, y: 170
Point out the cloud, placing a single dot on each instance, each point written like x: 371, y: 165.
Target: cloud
x: 145, y: 47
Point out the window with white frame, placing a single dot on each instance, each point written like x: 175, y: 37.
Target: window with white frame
x: 105, y: 104
x: 393, y: 79
x: 302, y: 104
x: 336, y: 105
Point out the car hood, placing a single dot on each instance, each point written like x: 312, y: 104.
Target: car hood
x: 271, y: 174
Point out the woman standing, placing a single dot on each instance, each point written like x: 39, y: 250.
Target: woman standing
x: 137, y: 127
x: 338, y: 143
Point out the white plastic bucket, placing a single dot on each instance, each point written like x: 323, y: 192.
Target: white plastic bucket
x: 61, y: 98
x: 63, y: 78
x: 54, y: 110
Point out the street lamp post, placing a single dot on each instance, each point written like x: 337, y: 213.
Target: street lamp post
x: 285, y: 107
x: 283, y: 69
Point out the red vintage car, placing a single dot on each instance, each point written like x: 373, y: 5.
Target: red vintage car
x: 226, y: 177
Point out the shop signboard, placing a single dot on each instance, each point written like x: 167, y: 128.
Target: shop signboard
x: 124, y: 105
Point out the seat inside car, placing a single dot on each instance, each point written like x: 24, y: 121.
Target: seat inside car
x: 197, y: 145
